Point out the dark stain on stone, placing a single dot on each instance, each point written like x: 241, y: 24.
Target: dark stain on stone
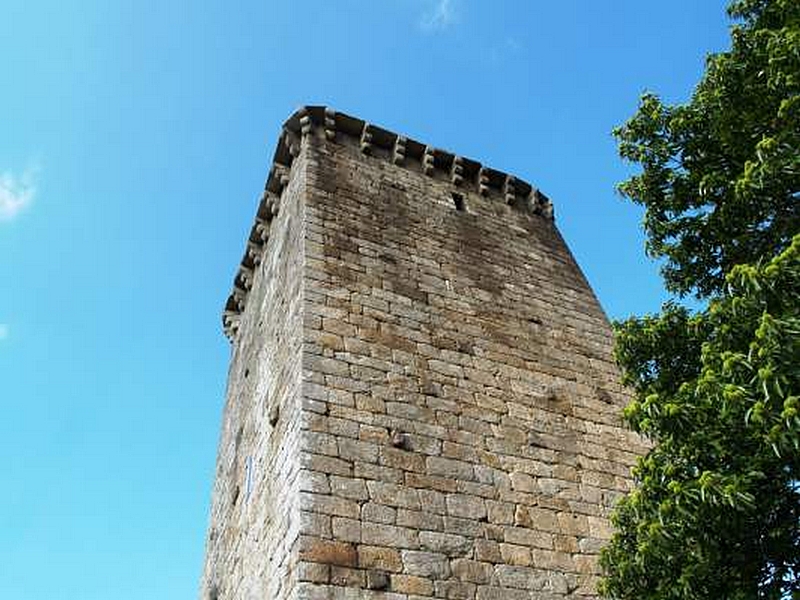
x: 476, y: 248
x: 409, y: 290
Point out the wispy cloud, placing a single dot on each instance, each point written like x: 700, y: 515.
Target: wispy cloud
x: 16, y: 192
x: 3, y: 331
x: 441, y: 15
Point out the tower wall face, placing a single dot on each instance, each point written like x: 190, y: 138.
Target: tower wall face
x: 254, y: 512
x: 453, y: 432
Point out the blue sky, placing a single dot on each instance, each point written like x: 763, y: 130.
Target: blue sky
x: 134, y: 140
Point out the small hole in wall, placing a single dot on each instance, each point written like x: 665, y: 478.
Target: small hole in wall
x: 213, y: 593
x: 458, y: 201
x: 246, y: 373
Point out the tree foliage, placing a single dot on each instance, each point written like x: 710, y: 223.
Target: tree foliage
x: 716, y: 508
x: 721, y: 173
x: 716, y: 512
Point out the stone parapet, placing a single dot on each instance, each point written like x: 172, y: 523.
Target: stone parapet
x: 464, y: 174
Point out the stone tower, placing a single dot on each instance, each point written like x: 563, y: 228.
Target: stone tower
x: 421, y: 401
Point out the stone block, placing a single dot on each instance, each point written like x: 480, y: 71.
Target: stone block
x: 328, y: 552
x: 381, y: 558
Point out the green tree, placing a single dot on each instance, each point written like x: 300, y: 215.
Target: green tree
x: 721, y: 174
x: 716, y: 509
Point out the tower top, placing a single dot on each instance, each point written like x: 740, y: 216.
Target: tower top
x: 464, y: 174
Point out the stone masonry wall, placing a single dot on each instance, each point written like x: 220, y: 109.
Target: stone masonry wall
x: 422, y: 401
x: 460, y: 402
x: 254, y: 515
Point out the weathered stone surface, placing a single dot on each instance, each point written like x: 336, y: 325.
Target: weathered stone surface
x: 515, y: 555
x: 377, y: 557
x: 411, y: 584
x: 422, y: 399
x: 328, y: 552
x: 426, y: 564
x: 465, y: 506
x: 445, y: 543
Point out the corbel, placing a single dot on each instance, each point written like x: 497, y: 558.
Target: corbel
x: 246, y: 277
x: 428, y: 161
x: 483, y: 182
x: 262, y: 229
x: 230, y: 323
x: 457, y: 171
x: 399, y: 154
x: 366, y: 139
x: 547, y: 210
x: 540, y: 204
x: 330, y: 124
x: 239, y: 297
x: 273, y: 204
x: 306, y: 124
x: 509, y: 191
x: 292, y: 142
x: 254, y: 252
x: 281, y: 174
x: 264, y: 206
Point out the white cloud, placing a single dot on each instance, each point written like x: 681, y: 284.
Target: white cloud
x: 3, y: 331
x: 441, y: 15
x: 16, y: 192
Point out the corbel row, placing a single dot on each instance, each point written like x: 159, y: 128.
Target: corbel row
x: 268, y: 208
x: 370, y: 137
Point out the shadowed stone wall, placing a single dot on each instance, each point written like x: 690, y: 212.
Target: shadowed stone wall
x: 454, y: 431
